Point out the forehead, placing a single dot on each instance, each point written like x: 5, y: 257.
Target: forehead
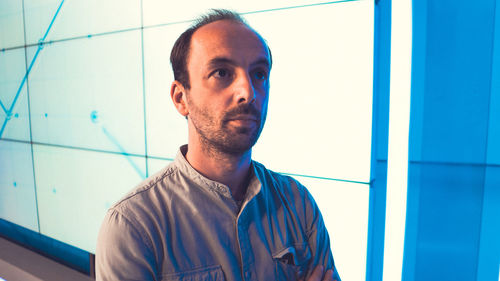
x: 228, y: 39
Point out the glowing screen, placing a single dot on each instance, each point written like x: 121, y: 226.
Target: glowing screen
x: 86, y: 112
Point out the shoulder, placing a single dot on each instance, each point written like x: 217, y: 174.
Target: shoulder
x: 136, y: 214
x: 289, y: 192
x: 147, y: 186
x: 289, y: 199
x: 147, y: 197
x: 279, y: 181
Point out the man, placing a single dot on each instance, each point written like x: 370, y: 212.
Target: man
x: 214, y: 214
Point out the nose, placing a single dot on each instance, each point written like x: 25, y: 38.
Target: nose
x: 245, y: 91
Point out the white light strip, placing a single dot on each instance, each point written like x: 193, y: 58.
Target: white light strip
x: 399, y: 119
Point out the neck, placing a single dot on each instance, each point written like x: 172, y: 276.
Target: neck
x: 229, y: 169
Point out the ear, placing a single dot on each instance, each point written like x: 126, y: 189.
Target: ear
x: 178, y: 95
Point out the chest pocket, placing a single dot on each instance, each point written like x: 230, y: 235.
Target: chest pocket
x: 292, y: 262
x: 211, y: 273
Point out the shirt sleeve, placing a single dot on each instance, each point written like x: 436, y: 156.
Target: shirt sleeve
x: 121, y: 252
x: 319, y: 240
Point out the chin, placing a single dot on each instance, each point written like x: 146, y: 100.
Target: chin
x: 238, y: 146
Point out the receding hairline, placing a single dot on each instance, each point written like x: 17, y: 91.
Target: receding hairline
x: 180, y: 53
x: 235, y: 22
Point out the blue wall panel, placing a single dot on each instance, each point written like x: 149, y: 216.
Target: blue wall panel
x: 449, y: 221
x: 449, y: 216
x: 489, y: 248
x: 457, y: 80
x: 380, y: 141
x: 494, y: 124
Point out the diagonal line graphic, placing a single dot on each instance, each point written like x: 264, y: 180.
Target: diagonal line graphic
x: 3, y: 107
x: 94, y: 117
x: 40, y: 47
x: 123, y: 152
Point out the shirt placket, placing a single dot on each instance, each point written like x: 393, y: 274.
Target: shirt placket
x: 246, y: 254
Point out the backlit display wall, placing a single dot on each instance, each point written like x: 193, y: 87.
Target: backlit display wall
x: 86, y: 113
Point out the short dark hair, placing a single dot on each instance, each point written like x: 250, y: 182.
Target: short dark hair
x: 180, y: 50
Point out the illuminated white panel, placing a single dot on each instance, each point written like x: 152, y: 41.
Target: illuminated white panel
x: 17, y: 191
x: 12, y: 71
x: 320, y: 107
x: 75, y: 188
x: 88, y: 93
x: 344, y: 207
x: 79, y: 18
x: 399, y: 120
x: 159, y: 12
x: 11, y: 24
x: 166, y: 128
x: 155, y: 165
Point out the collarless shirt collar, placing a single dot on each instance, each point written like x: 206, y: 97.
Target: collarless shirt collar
x: 183, y: 165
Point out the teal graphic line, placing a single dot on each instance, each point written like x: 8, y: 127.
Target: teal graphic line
x: 298, y: 6
x: 94, y: 117
x: 325, y: 178
x: 3, y: 107
x: 8, y: 112
x: 88, y: 149
x: 123, y: 152
x: 143, y: 27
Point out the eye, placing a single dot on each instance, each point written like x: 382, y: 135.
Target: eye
x: 221, y: 73
x: 260, y: 75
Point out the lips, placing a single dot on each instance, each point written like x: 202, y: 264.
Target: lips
x: 246, y: 112
x: 243, y: 118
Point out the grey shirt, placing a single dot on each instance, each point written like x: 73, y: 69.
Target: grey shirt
x: 180, y: 225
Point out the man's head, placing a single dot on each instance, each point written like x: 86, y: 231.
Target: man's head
x: 221, y: 67
x: 180, y: 50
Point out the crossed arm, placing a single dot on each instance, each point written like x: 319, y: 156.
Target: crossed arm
x: 319, y: 243
x: 318, y: 275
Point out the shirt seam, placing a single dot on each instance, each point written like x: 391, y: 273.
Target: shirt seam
x: 167, y: 173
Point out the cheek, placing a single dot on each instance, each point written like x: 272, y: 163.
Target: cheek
x: 264, y: 101
x: 214, y: 114
x: 263, y: 110
x: 264, y: 113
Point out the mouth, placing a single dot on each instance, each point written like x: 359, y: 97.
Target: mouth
x: 245, y: 118
x: 243, y: 122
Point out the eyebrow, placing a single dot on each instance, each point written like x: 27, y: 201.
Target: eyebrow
x: 224, y: 60
x: 262, y: 61
x: 220, y: 60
